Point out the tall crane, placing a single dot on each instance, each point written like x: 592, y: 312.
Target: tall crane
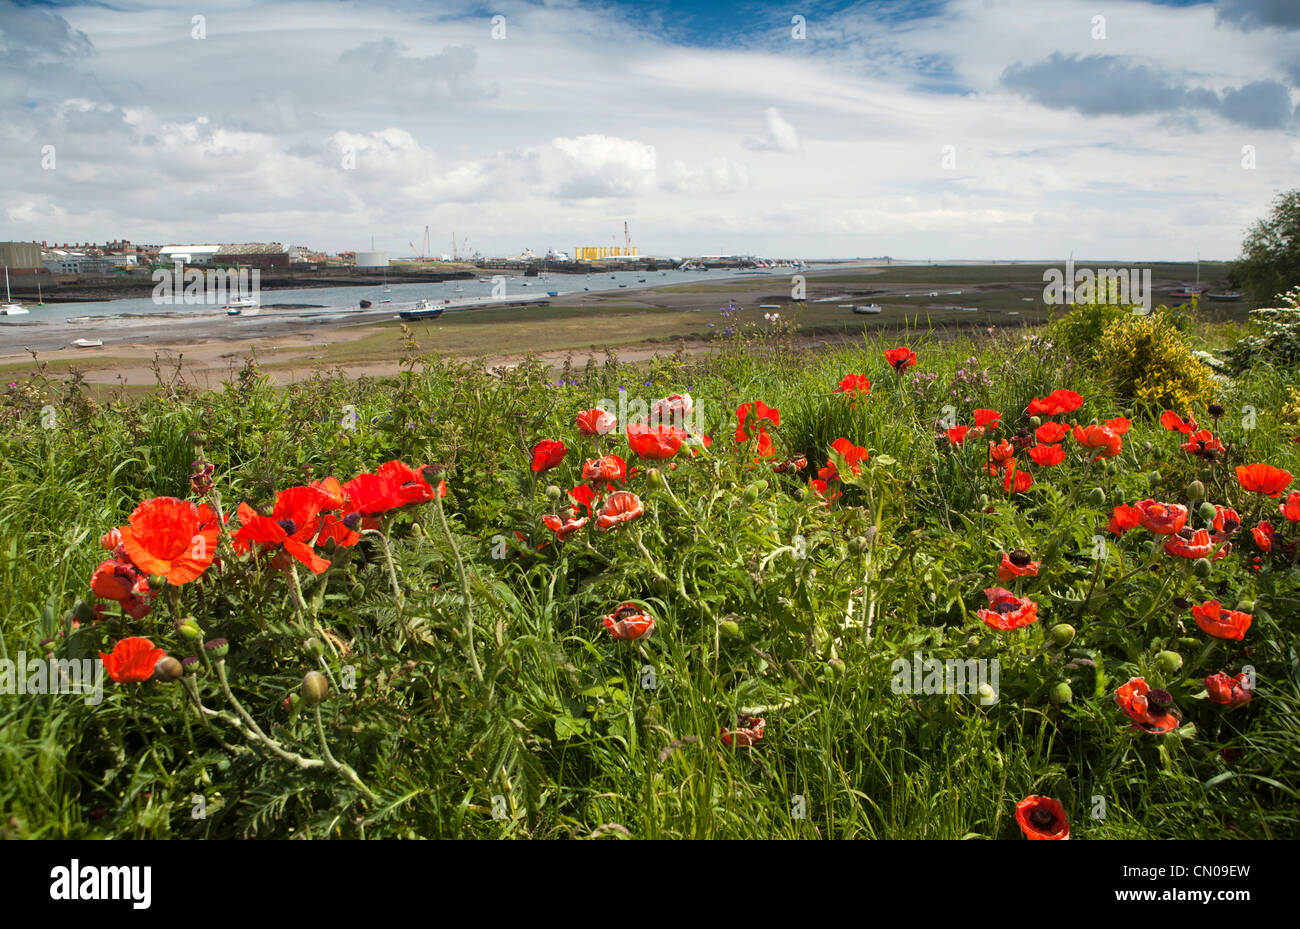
x: 627, y: 240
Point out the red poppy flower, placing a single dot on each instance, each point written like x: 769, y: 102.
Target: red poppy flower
x: 332, y: 491
x: 110, y: 540
x: 1001, y: 455
x: 1123, y: 518
x: 1042, y: 818
x: 171, y: 537
x: 596, y: 421
x: 115, y: 580
x: 1161, y: 518
x: 1119, y: 425
x: 1226, y: 523
x: 1055, y: 403
x: 1229, y: 691
x: 1017, y: 564
x: 621, y: 507
x: 854, y: 385
x: 752, y: 415
x: 584, y: 496
x: 1203, y: 444
x: 655, y: 444
x: 1104, y: 440
x: 1017, y: 481
x: 294, y: 522
x: 132, y: 660
x: 749, y: 729
x: 1175, y: 423
x: 629, y: 622
x: 334, y: 529
x: 901, y: 358
x: 673, y: 410
x: 547, y: 454
x: 763, y: 448
x: 852, y: 454
x: 822, y: 489
x: 1263, y: 479
x: 564, y: 525
x: 411, y: 484
x: 1291, y: 508
x: 1188, y: 543
x: 1219, y: 622
x: 606, y: 468
x: 1049, y: 433
x: 1263, y: 534
x: 797, y: 463
x: 987, y: 419
x: 1006, y: 610
x: 957, y: 434
x: 1047, y: 455
x: 1151, y: 710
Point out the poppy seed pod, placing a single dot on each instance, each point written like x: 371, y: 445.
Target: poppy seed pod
x: 1169, y: 662
x: 190, y: 666
x: 314, y: 688
x: 1062, y: 634
x: 1195, y: 492
x: 1207, y: 511
x: 1035, y: 421
x: 167, y: 670
x: 1061, y: 693
x: 1202, y: 567
x: 217, y: 649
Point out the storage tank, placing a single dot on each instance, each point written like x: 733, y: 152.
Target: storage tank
x: 372, y: 259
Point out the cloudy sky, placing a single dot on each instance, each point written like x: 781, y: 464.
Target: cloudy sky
x: 919, y: 129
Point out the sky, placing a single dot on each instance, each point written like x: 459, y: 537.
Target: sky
x: 919, y: 129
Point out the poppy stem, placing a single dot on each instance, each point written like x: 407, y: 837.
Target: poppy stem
x: 1205, y: 654
x: 388, y: 560
x: 464, y: 591
x: 335, y: 764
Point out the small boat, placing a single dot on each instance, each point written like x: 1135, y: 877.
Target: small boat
x: 769, y: 306
x: 10, y: 308
x: 233, y: 311
x: 640, y: 280
x: 622, y: 285
x: 868, y: 309
x: 1013, y: 312
x: 552, y: 293
x: 239, y: 304
x: 425, y: 309
x: 1185, y: 294
x: 1225, y: 298
x: 87, y: 343
x: 365, y: 304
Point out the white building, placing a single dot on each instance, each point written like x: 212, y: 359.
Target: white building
x: 189, y: 254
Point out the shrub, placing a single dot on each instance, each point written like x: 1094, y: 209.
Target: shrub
x: 1148, y: 361
x: 1277, y: 341
x: 1080, y: 329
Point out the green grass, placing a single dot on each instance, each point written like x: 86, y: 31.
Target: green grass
x: 557, y: 731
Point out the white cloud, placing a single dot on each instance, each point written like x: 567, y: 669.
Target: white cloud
x: 778, y: 135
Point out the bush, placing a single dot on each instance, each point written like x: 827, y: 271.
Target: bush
x: 1080, y: 329
x: 1277, y: 341
x: 1149, y: 362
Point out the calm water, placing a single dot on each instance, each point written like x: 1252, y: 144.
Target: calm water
x: 340, y: 302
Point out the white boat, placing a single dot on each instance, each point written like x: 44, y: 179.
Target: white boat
x: 237, y: 305
x: 87, y: 343
x: 10, y: 308
x: 868, y: 309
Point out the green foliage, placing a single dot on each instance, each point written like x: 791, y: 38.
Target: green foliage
x: 1150, y: 362
x: 488, y: 700
x: 1270, y: 259
x: 1275, y: 340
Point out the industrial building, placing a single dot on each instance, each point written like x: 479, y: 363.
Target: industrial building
x: 248, y: 254
x: 372, y: 259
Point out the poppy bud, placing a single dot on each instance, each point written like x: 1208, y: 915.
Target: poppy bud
x: 1246, y: 606
x: 1207, y: 511
x: 730, y: 628
x: 1062, y: 634
x: 984, y: 500
x: 48, y: 646
x: 553, y: 492
x: 1205, y: 474
x: 859, y: 544
x: 751, y: 494
x: 352, y: 521
x: 167, y: 670
x: 1149, y: 547
x: 836, y: 666
x: 189, y: 628
x: 1153, y: 478
x: 1202, y: 567
x: 655, y: 476
x: 190, y: 665
x: 1061, y: 693
x: 1097, y: 496
x: 315, y: 647
x: 1169, y: 662
x: 1195, y: 492
x: 314, y: 687
x: 1035, y: 421
x: 157, y: 581
x: 217, y: 649
x: 987, y: 694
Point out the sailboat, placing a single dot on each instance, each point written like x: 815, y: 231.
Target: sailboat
x: 387, y: 289
x: 10, y: 308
